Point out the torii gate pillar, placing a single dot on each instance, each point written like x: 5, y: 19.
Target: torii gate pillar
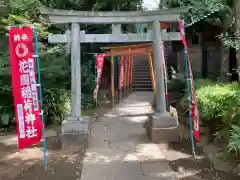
x: 162, y: 126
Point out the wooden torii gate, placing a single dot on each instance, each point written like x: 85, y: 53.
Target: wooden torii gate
x: 77, y: 125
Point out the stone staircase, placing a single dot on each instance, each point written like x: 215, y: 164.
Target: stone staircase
x: 141, y: 75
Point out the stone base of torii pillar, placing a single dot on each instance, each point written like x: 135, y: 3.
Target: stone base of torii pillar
x: 75, y: 133
x: 163, y: 127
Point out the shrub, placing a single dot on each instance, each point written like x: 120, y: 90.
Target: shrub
x: 200, y: 83
x: 56, y: 105
x: 214, y: 100
x: 234, y: 141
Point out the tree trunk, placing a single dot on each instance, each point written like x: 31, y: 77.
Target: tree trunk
x: 237, y: 14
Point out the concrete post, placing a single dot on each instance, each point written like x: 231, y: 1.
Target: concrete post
x: 158, y: 70
x: 68, y: 45
x: 76, y: 69
x: 116, y: 29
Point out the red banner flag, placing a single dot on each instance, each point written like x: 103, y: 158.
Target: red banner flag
x: 130, y: 69
x: 165, y: 72
x: 195, y: 115
x: 121, y: 72
x: 24, y: 86
x: 99, y: 65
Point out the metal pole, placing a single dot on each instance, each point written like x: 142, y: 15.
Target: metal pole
x: 112, y: 80
x: 76, y: 70
x: 158, y: 69
x: 40, y: 95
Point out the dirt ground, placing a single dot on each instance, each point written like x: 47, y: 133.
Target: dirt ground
x: 182, y: 162
x: 27, y: 164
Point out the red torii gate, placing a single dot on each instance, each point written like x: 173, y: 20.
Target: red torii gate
x: 126, y: 53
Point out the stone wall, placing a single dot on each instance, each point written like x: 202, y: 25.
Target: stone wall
x: 224, y: 70
x: 195, y: 53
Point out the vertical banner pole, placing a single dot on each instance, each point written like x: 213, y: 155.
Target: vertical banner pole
x: 119, y: 79
x: 40, y: 95
x: 116, y: 79
x: 112, y: 80
x: 125, y: 76
x: 188, y: 81
x: 130, y: 70
x: 126, y: 64
x: 165, y: 75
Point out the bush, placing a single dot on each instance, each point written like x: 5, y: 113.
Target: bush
x: 200, y: 83
x: 234, y: 141
x: 56, y: 105
x: 214, y: 100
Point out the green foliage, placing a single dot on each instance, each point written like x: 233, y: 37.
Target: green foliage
x: 232, y: 124
x: 234, y: 141
x: 88, y: 84
x: 24, y: 12
x: 220, y: 104
x: 200, y: 83
x: 214, y: 12
x: 214, y: 100
x: 56, y: 105
x: 55, y: 65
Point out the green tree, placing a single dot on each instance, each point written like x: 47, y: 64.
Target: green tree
x: 215, y: 12
x: 55, y: 64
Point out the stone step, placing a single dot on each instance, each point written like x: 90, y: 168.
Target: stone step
x: 140, y: 81
x: 141, y: 64
x: 142, y: 77
x: 144, y: 67
x: 142, y: 89
x: 141, y: 84
x: 141, y: 69
x: 137, y: 80
x: 141, y: 74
